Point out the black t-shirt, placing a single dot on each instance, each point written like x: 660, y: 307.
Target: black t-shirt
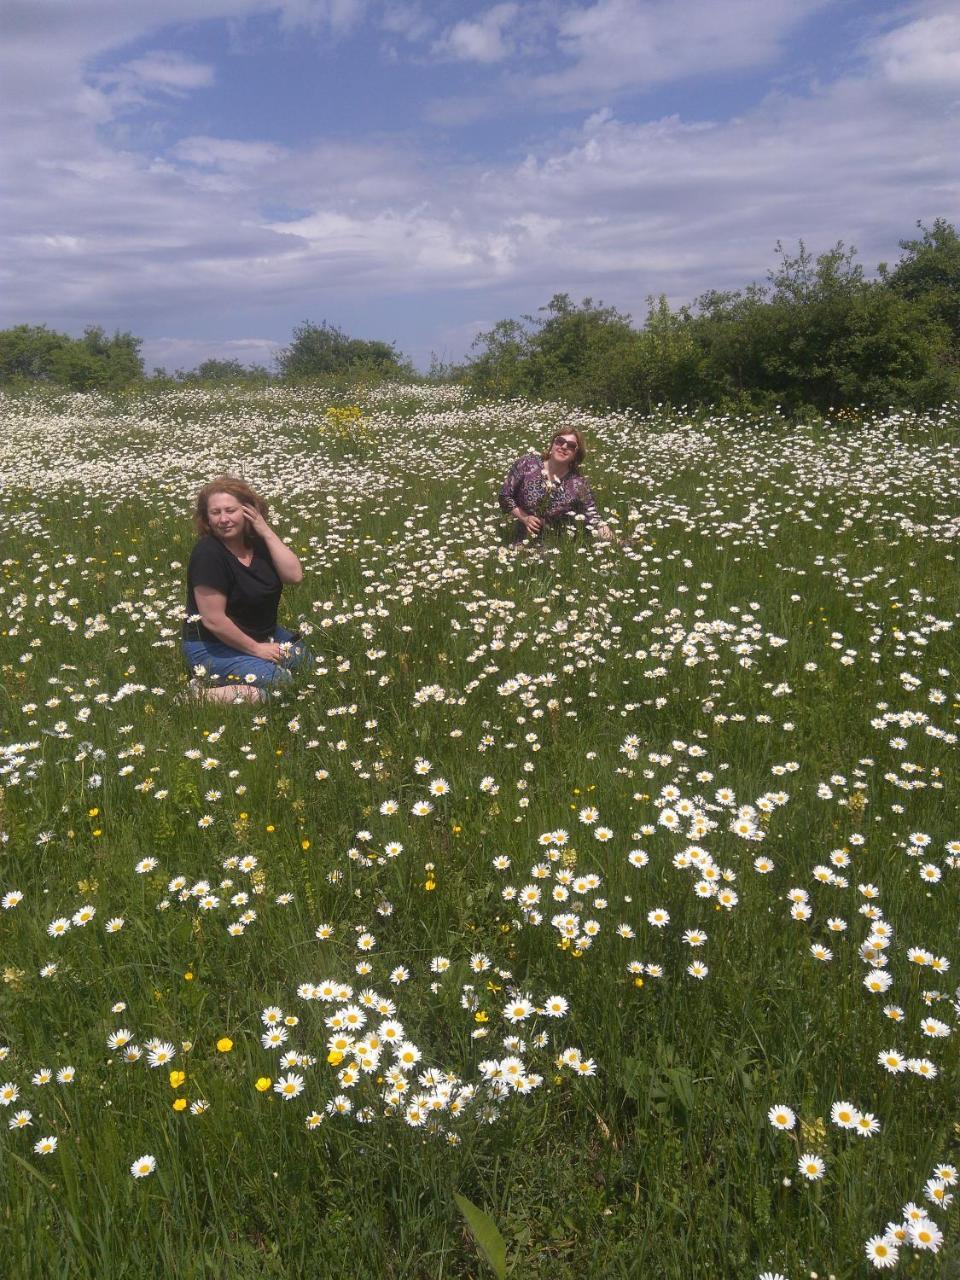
x: 252, y: 591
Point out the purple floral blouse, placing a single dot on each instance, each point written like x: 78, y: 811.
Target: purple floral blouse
x: 526, y: 487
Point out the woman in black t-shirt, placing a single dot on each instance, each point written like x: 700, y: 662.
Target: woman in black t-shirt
x: 234, y: 579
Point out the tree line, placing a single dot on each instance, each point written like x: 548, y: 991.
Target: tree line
x: 96, y: 362
x: 817, y: 336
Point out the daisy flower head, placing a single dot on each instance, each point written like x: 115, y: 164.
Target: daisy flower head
x: 143, y: 1166
x: 934, y: 1027
x: 289, y: 1086
x: 867, y: 1124
x: 926, y: 1235
x: 518, y: 1010
x: 937, y: 1192
x: 811, y: 1166
x: 881, y: 1252
x: 878, y: 981
x: 161, y: 1054
x: 892, y: 1060
x: 45, y: 1146
x: 781, y: 1117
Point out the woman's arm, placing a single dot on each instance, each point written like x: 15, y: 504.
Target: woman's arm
x: 508, y: 491
x: 592, y: 513
x: 509, y: 504
x: 286, y: 563
x: 213, y: 614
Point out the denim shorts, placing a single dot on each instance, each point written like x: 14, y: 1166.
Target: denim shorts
x: 222, y: 664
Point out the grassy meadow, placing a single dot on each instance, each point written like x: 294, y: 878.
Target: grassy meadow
x: 612, y: 889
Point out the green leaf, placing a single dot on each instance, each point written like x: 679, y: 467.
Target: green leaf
x: 484, y: 1230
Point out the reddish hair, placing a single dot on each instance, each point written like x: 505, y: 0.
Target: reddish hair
x: 581, y: 452
x: 233, y: 485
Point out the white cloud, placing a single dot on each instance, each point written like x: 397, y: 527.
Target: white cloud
x: 188, y: 238
x: 225, y: 153
x: 336, y: 16
x: 481, y: 41
x: 186, y: 353
x: 171, y: 71
x: 618, y: 44
x: 924, y: 54
x: 135, y: 84
x: 410, y: 21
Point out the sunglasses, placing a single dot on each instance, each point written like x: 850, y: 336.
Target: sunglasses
x: 566, y: 444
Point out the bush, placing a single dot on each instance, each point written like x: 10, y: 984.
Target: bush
x: 322, y: 350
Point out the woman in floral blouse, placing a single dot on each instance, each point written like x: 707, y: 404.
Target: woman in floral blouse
x: 547, y: 490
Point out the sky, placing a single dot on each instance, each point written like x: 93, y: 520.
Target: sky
x: 207, y: 174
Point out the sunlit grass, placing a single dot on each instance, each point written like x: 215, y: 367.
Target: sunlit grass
x: 514, y: 796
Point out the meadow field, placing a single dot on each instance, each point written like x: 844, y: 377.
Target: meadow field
x: 589, y: 911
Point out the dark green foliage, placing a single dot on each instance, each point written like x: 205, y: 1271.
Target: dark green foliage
x: 929, y: 273
x: 817, y: 337
x: 221, y: 373
x: 324, y: 349
x: 94, y: 362
x: 227, y: 371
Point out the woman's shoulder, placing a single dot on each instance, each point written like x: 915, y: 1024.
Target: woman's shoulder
x: 207, y: 547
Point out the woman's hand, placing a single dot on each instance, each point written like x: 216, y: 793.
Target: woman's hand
x: 255, y: 521
x: 270, y: 651
x: 533, y: 524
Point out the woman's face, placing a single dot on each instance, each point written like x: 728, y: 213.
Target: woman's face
x: 225, y: 516
x: 563, y: 450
